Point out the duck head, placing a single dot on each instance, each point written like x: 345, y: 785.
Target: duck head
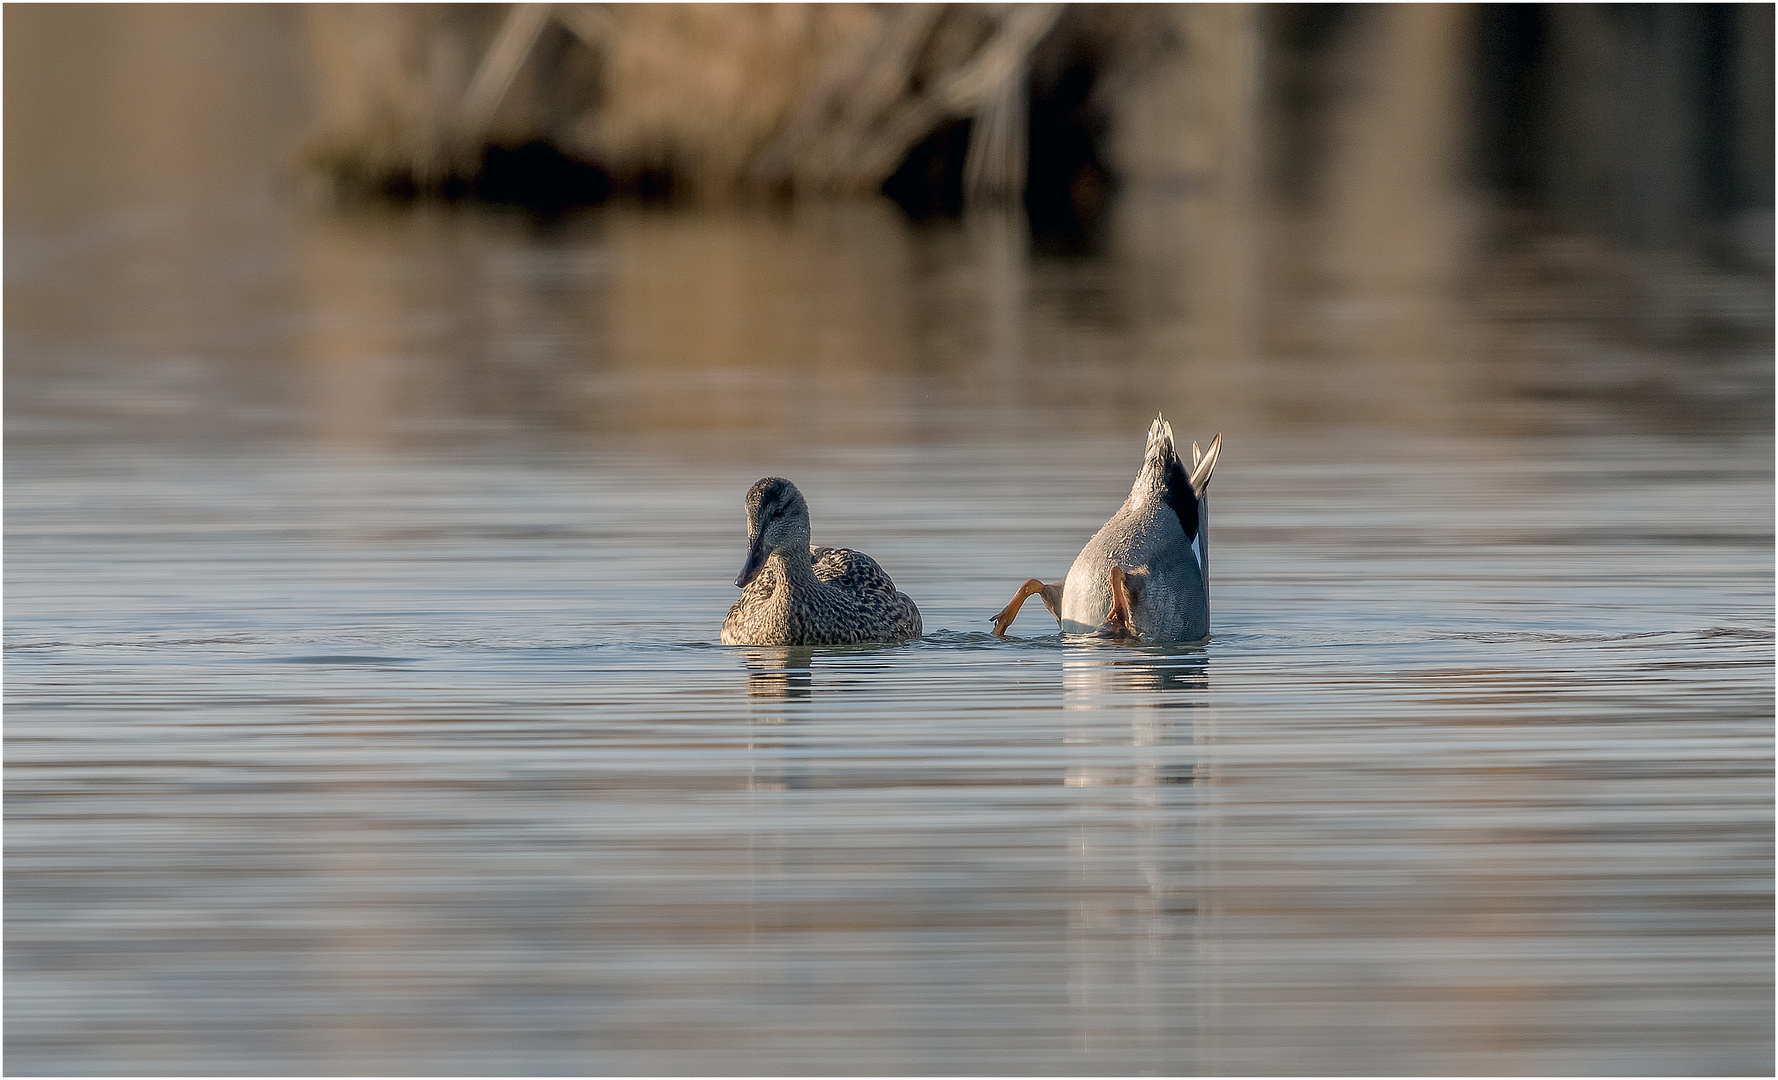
x: 777, y: 516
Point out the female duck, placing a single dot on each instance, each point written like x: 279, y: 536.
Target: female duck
x: 796, y: 595
x: 1145, y: 575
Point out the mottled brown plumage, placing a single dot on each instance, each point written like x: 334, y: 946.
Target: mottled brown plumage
x: 793, y: 594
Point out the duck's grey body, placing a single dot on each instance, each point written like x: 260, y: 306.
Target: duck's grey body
x: 793, y: 594
x: 1156, y: 549
x: 1169, y: 587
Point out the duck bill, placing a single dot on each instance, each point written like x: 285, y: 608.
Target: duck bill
x: 756, y: 560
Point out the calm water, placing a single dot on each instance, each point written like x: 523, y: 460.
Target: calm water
x: 365, y: 711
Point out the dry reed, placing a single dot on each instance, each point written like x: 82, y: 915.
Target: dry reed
x: 723, y: 99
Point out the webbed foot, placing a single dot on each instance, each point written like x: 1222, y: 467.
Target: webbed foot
x: 1011, y: 610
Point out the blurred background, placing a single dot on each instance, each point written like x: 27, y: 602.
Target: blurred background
x: 558, y: 219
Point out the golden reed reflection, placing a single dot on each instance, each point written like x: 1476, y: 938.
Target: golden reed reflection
x: 360, y: 351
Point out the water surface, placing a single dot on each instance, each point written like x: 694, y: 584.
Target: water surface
x: 365, y: 710
x: 332, y: 760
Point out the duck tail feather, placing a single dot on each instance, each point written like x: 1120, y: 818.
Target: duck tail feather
x: 1204, y: 465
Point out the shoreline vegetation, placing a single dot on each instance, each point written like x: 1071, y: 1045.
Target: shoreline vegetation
x: 1648, y: 128
x: 719, y: 103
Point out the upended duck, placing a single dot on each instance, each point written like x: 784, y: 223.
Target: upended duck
x: 1145, y: 575
x: 793, y: 594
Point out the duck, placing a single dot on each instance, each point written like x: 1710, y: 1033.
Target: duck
x: 1145, y: 575
x: 796, y: 594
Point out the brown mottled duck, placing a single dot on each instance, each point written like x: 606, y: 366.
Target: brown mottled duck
x: 793, y: 594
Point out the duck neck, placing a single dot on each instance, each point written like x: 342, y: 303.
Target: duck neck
x: 793, y: 562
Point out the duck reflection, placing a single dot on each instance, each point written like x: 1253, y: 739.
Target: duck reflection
x: 780, y: 673
x: 1134, y: 851
x: 1103, y: 675
x: 1166, y: 672
x: 780, y: 681
x: 1122, y: 699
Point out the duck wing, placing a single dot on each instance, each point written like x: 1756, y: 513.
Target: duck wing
x: 853, y: 572
x: 867, y: 588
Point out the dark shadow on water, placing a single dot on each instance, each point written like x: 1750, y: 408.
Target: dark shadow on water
x: 540, y: 178
x: 929, y: 183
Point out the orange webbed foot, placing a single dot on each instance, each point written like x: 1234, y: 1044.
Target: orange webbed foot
x: 1011, y: 610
